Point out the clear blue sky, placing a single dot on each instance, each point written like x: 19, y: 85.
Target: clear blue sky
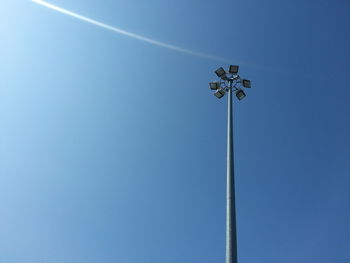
x: 113, y: 149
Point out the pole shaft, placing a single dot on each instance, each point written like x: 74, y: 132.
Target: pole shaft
x: 231, y: 235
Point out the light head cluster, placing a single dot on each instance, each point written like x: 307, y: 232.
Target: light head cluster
x: 229, y: 80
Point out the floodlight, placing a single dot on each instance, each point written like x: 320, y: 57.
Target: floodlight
x: 220, y: 72
x: 214, y: 85
x: 229, y: 82
x: 219, y: 93
x: 240, y: 94
x: 233, y: 69
x: 246, y: 83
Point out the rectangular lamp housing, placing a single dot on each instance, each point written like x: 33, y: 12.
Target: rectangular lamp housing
x: 219, y: 93
x: 240, y: 94
x: 214, y: 85
x: 220, y: 72
x: 233, y: 69
x: 246, y: 83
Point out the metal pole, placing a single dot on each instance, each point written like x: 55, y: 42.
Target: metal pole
x: 229, y: 82
x: 231, y: 235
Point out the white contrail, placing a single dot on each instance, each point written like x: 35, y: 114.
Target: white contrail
x: 126, y: 33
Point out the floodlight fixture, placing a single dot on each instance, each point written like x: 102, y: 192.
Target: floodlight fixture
x: 221, y: 73
x: 219, y: 93
x: 246, y: 83
x: 240, y: 94
x: 233, y: 69
x: 214, y: 85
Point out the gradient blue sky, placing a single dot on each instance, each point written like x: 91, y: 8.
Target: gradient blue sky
x: 113, y: 150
